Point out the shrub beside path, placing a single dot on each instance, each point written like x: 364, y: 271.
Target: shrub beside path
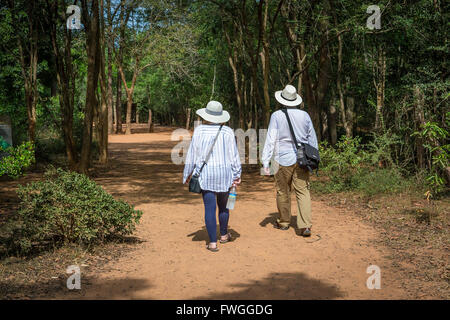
x: 171, y: 262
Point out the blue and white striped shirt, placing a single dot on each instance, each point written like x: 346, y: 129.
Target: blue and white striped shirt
x: 223, y: 166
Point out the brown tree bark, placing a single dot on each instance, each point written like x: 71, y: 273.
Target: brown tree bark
x: 119, y: 129
x: 265, y: 63
x: 28, y: 59
x: 150, y: 121
x: 119, y: 61
x: 65, y: 78
x: 129, y: 91
x: 233, y: 61
x: 350, y: 116
x: 110, y: 40
x: 379, y: 74
x: 188, y: 118
x: 266, y: 34
x: 102, y: 111
x: 92, y: 29
x: 332, y: 121
x: 419, y: 119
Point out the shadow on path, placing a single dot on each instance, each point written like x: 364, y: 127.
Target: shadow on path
x: 279, y: 286
x: 90, y: 288
x: 202, y: 235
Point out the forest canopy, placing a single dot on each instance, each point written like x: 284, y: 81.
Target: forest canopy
x: 70, y: 76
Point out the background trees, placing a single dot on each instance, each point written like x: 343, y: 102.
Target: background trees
x: 135, y: 58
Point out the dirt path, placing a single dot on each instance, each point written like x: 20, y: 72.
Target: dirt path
x: 262, y: 263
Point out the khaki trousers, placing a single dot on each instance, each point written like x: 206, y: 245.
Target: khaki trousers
x: 298, y: 178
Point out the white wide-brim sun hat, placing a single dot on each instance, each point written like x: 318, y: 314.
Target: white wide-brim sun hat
x: 214, y: 113
x: 288, y: 96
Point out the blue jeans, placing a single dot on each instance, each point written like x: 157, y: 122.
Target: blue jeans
x: 209, y: 200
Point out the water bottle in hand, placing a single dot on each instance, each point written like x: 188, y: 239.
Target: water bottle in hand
x: 231, y: 199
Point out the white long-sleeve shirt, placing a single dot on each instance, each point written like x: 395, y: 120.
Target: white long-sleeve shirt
x: 223, y: 166
x: 279, y: 136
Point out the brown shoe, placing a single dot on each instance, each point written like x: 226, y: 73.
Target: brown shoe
x: 305, y: 232
x: 215, y: 249
x: 278, y: 226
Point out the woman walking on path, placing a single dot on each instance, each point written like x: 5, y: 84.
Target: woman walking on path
x: 221, y: 171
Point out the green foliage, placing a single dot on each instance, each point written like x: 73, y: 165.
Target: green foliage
x: 380, y: 149
x: 431, y: 134
x: 379, y: 181
x: 67, y: 207
x: 342, y: 162
x: 17, y: 159
x: 369, y: 169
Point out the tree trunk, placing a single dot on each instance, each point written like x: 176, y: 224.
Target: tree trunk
x: 65, y: 81
x: 93, y: 61
x: 350, y: 116
x: 130, y: 92
x: 119, y: 105
x: 150, y: 121
x: 102, y: 130
x: 379, y: 82
x: 332, y: 122
x: 344, y: 111
x: 323, y: 75
x: 119, y: 60
x: 266, y: 69
x: 188, y: 118
x: 29, y: 64
x: 110, y: 92
x: 233, y: 61
x: 419, y: 123
x: 265, y: 63
x: 103, y: 115
x: 129, y: 110
x: 110, y: 99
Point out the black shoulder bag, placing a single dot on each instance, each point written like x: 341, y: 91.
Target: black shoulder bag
x: 194, y: 184
x: 307, y: 156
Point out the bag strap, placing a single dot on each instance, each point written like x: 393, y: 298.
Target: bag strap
x: 210, y: 150
x: 290, y: 127
x: 293, y: 136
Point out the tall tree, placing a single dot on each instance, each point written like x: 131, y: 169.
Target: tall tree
x: 65, y: 75
x: 91, y: 21
x: 27, y: 39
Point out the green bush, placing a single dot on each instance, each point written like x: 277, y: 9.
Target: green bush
x: 342, y: 162
x: 67, y: 207
x: 370, y: 170
x: 439, y: 153
x: 48, y: 147
x: 379, y: 181
x: 17, y: 159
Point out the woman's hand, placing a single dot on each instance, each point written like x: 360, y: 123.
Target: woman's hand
x: 267, y: 171
x: 236, y: 182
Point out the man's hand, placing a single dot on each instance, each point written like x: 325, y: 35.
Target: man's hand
x: 236, y: 182
x: 267, y: 171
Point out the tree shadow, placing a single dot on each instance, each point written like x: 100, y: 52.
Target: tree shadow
x: 280, y: 286
x: 91, y: 288
x: 202, y: 234
x: 143, y: 172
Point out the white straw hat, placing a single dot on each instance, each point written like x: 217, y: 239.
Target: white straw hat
x: 288, y: 96
x: 214, y: 113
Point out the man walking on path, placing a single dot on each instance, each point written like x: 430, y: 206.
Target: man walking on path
x: 289, y: 173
